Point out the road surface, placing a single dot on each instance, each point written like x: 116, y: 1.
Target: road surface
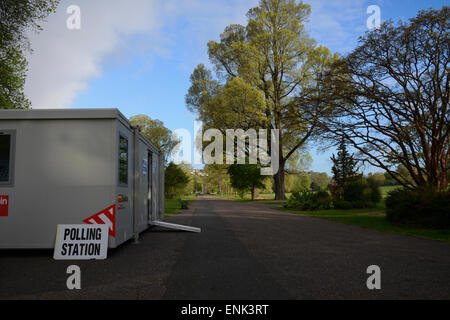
x: 245, y: 251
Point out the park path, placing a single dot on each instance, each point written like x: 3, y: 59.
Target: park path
x: 245, y: 251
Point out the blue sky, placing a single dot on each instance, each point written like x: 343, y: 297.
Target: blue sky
x: 137, y: 55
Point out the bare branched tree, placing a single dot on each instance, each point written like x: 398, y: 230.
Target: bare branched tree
x: 390, y: 97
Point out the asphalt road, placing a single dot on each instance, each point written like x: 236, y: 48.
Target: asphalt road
x: 245, y: 251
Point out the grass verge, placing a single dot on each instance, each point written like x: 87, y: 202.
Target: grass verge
x: 375, y: 220
x: 172, y: 206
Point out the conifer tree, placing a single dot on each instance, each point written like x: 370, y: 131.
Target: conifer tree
x: 344, y: 166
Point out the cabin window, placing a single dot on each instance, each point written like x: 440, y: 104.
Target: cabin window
x: 6, y: 144
x: 123, y: 160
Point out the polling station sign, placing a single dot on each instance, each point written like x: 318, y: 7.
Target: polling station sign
x: 81, y: 242
x: 4, y: 203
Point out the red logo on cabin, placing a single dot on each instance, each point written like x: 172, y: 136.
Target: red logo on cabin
x: 4, y: 206
x: 106, y: 216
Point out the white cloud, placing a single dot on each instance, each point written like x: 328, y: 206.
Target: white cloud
x: 65, y: 60
x: 195, y: 22
x: 335, y: 23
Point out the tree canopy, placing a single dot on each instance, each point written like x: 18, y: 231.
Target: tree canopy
x: 155, y: 131
x: 175, y: 180
x: 16, y: 18
x: 344, y: 166
x: 392, y: 94
x: 246, y: 177
x: 267, y: 73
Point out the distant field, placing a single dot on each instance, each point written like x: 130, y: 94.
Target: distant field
x: 385, y: 189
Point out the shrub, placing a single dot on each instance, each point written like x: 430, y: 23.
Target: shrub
x: 360, y: 204
x: 420, y: 207
x: 357, y: 193
x: 336, y: 191
x: 315, y: 186
x: 322, y: 194
x: 323, y: 199
x: 342, y: 204
x: 299, y: 200
x: 361, y: 192
x: 356, y: 190
x: 375, y: 193
x: 310, y: 200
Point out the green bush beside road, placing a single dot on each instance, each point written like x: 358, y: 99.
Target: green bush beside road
x: 421, y: 207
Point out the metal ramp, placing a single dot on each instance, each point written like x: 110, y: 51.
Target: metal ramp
x: 175, y: 226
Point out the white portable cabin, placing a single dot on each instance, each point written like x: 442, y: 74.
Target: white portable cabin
x: 75, y: 166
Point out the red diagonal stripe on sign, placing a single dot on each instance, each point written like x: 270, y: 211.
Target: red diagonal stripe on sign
x: 106, y: 216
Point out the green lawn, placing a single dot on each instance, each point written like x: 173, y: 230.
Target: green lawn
x: 385, y: 189
x: 172, y: 206
x: 373, y: 219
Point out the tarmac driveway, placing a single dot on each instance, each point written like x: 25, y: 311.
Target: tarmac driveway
x: 245, y: 251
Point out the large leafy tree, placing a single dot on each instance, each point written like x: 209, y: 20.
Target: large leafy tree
x: 216, y: 179
x: 319, y: 180
x: 274, y: 60
x: 16, y: 18
x: 392, y: 92
x: 296, y: 178
x: 246, y: 177
x: 155, y: 131
x: 175, y: 180
x: 13, y: 68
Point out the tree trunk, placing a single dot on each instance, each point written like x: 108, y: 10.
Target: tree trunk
x: 253, y: 193
x: 279, y: 184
